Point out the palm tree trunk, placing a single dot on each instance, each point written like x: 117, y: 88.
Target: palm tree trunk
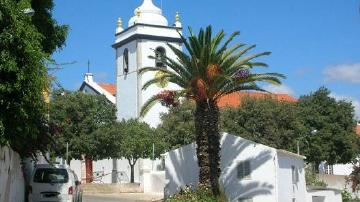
x: 208, y: 144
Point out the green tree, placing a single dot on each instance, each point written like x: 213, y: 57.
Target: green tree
x: 22, y: 80
x: 53, y: 34
x: 266, y: 121
x: 334, y: 139
x: 137, y: 139
x: 206, y: 72
x: 181, y: 133
x: 74, y: 116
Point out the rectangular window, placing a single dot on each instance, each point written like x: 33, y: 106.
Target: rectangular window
x: 294, y: 174
x: 245, y: 200
x: 244, y: 170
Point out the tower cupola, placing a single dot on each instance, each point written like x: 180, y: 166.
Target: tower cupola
x: 148, y: 14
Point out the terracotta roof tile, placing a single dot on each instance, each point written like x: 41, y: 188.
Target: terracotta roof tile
x: 358, y: 129
x: 111, y: 88
x: 234, y: 99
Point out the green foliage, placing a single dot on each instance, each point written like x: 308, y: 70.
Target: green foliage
x: 54, y: 35
x: 266, y: 121
x: 311, y: 177
x: 74, y: 117
x: 137, y: 140
x: 335, y: 140
x: 22, y: 80
x: 347, y: 197
x: 208, y: 69
x: 131, y: 140
x: 187, y: 194
x: 181, y: 133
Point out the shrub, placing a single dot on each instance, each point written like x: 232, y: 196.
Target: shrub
x: 187, y: 194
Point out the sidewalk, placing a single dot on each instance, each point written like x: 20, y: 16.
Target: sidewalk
x: 128, y: 197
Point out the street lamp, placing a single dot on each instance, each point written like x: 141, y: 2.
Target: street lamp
x: 313, y: 132
x: 29, y: 12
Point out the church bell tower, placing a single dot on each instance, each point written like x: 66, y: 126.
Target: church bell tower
x: 147, y: 35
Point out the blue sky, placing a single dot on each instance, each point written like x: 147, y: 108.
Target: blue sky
x: 314, y: 43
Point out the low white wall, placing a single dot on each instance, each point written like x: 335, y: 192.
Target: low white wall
x: 12, y: 183
x: 182, y: 169
x: 122, y: 165
x: 323, y: 195
x: 342, y: 169
x: 154, y: 182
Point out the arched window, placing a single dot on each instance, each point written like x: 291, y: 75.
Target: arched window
x: 126, y: 61
x: 160, y: 54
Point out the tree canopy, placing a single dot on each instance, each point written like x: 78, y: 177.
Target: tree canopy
x: 74, y: 117
x: 53, y: 34
x: 183, y: 131
x: 330, y: 128
x: 323, y: 126
x: 266, y: 121
x: 25, y: 44
x: 132, y: 140
x: 22, y: 80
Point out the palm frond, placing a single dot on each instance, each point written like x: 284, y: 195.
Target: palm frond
x: 149, y: 104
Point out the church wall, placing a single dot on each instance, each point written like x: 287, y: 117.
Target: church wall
x: 126, y: 97
x: 147, y: 49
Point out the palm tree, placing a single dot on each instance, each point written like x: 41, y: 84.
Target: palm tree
x: 207, y: 72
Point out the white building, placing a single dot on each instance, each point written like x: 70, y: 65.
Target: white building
x: 250, y: 171
x: 147, y: 35
x: 91, y: 87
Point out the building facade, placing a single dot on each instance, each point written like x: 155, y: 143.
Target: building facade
x: 250, y: 171
x: 147, y: 34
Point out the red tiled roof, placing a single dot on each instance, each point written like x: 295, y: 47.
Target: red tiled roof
x: 111, y: 88
x: 234, y: 99
x: 358, y: 129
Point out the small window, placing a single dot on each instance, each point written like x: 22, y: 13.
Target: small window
x: 245, y: 200
x: 244, y: 170
x: 126, y: 61
x: 294, y: 174
x: 160, y: 55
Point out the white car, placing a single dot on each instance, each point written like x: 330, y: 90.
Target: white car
x: 50, y: 183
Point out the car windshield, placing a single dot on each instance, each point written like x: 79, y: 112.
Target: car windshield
x: 51, y: 175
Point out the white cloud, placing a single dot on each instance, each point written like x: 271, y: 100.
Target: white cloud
x: 279, y: 89
x: 355, y: 102
x: 343, y: 72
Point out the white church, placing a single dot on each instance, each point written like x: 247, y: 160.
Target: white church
x: 147, y: 34
x: 280, y: 173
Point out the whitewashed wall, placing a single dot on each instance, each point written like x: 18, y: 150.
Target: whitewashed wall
x: 12, y: 183
x: 106, y: 166
x: 287, y: 191
x: 126, y: 85
x: 342, y: 169
x: 181, y: 169
x: 323, y: 195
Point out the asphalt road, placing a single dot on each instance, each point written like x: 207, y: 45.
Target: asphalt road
x: 121, y: 198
